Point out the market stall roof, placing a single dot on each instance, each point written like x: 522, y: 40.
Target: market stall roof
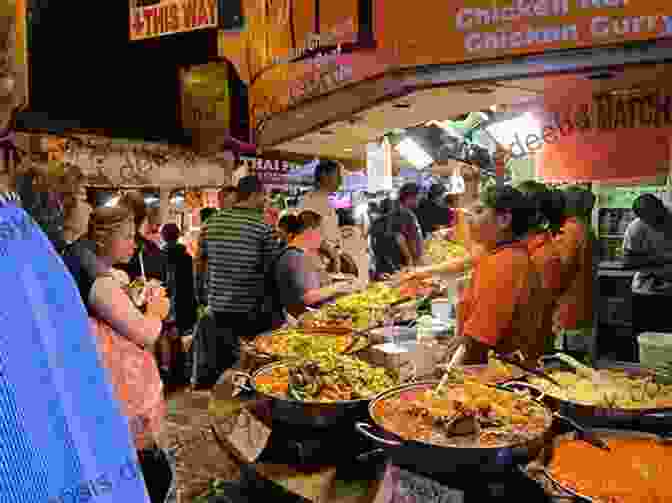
x: 565, y: 93
x: 338, y: 124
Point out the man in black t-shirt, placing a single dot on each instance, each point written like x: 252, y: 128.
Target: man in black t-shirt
x: 432, y: 212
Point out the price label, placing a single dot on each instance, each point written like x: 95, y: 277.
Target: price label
x: 402, y: 486
x: 235, y: 424
x: 246, y: 434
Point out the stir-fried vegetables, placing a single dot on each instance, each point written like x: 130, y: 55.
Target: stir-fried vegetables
x: 359, y: 310
x: 635, y: 470
x: 299, y: 344
x: 377, y: 295
x: 440, y: 250
x: 471, y: 414
x: 614, y: 388
x: 325, y: 377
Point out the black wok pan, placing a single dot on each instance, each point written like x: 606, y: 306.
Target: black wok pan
x: 300, y: 413
x: 435, y: 459
x: 606, y: 417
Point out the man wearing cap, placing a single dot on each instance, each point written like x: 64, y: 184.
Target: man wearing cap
x: 239, y: 248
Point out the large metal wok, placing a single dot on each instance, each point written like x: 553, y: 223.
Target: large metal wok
x: 595, y: 415
x: 434, y: 459
x: 538, y: 469
x: 300, y: 413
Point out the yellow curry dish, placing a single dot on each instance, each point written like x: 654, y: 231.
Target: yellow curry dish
x: 612, y: 389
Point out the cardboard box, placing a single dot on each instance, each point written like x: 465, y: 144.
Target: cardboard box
x: 410, y: 359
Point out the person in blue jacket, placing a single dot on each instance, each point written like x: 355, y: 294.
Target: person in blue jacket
x: 63, y: 437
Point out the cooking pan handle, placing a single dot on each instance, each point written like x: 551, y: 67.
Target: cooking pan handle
x: 364, y: 428
x: 510, y: 386
x: 242, y: 380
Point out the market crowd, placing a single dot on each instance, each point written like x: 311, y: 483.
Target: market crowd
x: 111, y: 293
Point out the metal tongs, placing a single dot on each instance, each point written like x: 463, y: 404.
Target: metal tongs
x: 522, y: 366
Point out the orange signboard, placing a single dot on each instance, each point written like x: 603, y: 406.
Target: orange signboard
x: 452, y: 31
x: 21, y: 52
x: 289, y: 52
x: 155, y: 18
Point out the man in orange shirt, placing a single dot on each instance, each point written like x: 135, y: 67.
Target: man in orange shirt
x: 574, y: 243
x: 543, y: 251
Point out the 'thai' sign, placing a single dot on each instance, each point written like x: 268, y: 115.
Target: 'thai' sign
x: 155, y: 18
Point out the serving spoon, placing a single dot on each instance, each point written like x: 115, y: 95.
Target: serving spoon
x: 456, y: 359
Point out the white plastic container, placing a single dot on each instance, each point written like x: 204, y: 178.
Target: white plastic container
x: 425, y: 329
x: 655, y: 349
x: 442, y: 309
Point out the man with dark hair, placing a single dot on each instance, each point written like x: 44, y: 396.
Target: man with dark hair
x: 647, y: 245
x: 406, y: 220
x: 327, y: 181
x: 396, y: 239
x: 238, y: 248
x: 432, y: 212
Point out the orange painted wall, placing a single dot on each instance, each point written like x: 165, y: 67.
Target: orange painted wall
x: 621, y: 155
x: 613, y: 155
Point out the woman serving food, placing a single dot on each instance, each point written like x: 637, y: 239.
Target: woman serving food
x: 501, y: 306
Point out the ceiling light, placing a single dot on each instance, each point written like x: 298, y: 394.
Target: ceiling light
x: 512, y: 132
x: 414, y: 154
x: 347, y: 150
x: 113, y: 201
x: 480, y: 90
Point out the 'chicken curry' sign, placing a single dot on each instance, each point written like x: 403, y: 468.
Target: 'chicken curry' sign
x: 155, y: 18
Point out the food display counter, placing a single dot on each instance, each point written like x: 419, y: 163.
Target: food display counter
x: 288, y: 462
x: 307, y: 415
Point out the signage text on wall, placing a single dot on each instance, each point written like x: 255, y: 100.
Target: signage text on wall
x: 480, y: 29
x: 271, y: 173
x: 155, y: 18
x: 286, y: 52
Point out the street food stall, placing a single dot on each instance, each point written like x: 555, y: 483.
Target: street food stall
x: 317, y: 413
